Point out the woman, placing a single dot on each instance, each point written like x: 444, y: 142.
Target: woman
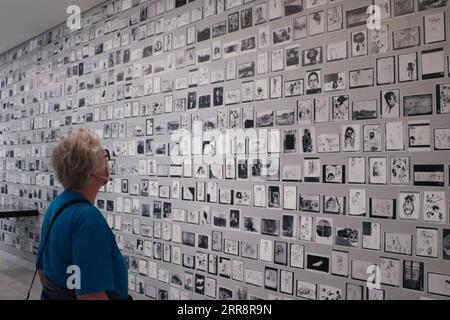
x: 80, y: 238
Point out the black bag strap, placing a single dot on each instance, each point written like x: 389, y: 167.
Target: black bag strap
x: 41, y: 252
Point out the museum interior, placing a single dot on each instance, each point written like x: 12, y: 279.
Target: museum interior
x: 256, y: 149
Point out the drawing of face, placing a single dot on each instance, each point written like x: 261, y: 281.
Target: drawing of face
x: 313, y: 80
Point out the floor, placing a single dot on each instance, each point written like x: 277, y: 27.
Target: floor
x: 15, y: 280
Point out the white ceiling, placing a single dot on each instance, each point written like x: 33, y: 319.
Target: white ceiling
x: 21, y: 20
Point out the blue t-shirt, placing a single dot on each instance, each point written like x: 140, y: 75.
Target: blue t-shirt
x: 80, y: 236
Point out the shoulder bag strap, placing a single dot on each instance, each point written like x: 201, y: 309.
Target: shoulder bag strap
x: 41, y: 252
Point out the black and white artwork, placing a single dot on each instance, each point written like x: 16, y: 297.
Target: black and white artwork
x: 334, y: 18
x: 379, y: 40
x: 312, y: 56
x: 233, y: 22
x: 334, y: 204
x: 319, y: 263
x: 277, y: 60
x: 443, y: 98
x: 427, y: 242
x: 402, y: 7
x: 321, y: 110
x: 433, y: 63
x: 407, y: 67
x: 309, y: 203
x: 429, y: 175
x: 339, y: 263
x: 313, y: 82
x: 281, y: 35
x: 260, y: 13
x: 297, y: 255
x: 438, y: 284
x: 418, y: 105
x: 419, y: 135
x: 293, y: 88
x: 434, y: 27
x: 246, y: 18
x: 400, y: 243
x: 441, y: 139
x: 406, y: 38
x: 400, y: 170
x: 333, y: 173
x: 334, y: 81
x: 351, y: 135
x: 434, y: 206
x: 340, y: 108
x: 372, y: 140
x: 446, y: 244
x: 292, y: 57
x: 316, y: 23
x: 382, y: 208
x: 307, y: 140
x: 280, y: 252
x: 275, y: 9
x: 390, y: 103
x: 409, y: 205
x: 359, y: 43
x: 357, y: 170
x: 324, y: 231
x: 354, y: 291
x: 356, y: 17
x: 347, y: 237
x: 336, y: 51
x: 306, y: 290
x: 361, y: 78
x: 292, y: 7
x: 271, y: 278
x: 430, y: 4
x: 357, y: 202
x: 394, y: 136
x: 413, y: 275
x: 300, y: 27
x: 306, y: 228
x: 364, y: 110
x: 378, y: 170
x: 328, y: 143
x: 386, y: 70
x: 371, y: 235
x: 390, y: 271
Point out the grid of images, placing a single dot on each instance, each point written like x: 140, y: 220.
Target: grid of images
x: 336, y: 154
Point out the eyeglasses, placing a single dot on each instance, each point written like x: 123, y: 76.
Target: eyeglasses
x: 107, y: 155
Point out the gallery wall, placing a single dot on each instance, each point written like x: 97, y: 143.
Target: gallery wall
x: 333, y: 154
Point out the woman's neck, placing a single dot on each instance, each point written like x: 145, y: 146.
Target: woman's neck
x: 88, y: 193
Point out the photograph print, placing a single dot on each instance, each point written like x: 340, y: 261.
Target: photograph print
x: 364, y: 110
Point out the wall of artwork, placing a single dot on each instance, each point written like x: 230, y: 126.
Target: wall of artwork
x: 261, y: 149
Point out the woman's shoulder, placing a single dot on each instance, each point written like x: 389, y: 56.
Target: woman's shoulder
x: 87, y: 214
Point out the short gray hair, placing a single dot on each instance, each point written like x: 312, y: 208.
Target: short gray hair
x: 76, y: 157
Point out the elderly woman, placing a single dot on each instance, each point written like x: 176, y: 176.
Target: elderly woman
x: 80, y: 259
